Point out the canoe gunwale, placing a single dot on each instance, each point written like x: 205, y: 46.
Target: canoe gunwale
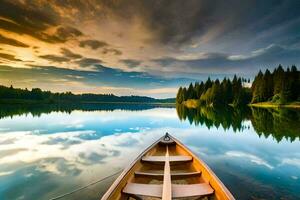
x: 127, y: 170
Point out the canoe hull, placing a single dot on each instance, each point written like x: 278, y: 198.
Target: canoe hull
x: 147, y: 168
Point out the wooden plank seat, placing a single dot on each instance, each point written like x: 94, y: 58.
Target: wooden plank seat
x: 191, y: 190
x: 162, y: 159
x: 178, y: 174
x: 138, y: 189
x: 178, y: 191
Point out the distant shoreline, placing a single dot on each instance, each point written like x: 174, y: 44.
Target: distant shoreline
x: 39, y: 102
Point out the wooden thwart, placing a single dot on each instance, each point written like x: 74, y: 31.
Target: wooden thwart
x: 178, y: 191
x: 162, y: 159
x: 150, y: 190
x: 179, y: 174
x: 192, y: 190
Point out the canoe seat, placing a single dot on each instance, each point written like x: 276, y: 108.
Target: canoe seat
x: 172, y: 159
x: 191, y: 190
x: 178, y: 191
x: 179, y: 174
x: 151, y: 190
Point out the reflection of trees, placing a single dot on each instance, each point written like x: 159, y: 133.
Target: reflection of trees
x: 214, y: 117
x: 37, y: 110
x: 281, y: 123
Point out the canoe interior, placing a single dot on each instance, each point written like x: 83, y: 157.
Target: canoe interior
x: 183, y: 172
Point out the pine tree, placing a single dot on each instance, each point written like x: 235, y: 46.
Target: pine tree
x: 257, y: 88
x: 267, y: 86
x: 286, y: 92
x: 207, y: 84
x: 184, y: 94
x: 295, y: 87
x: 191, y: 91
x: 179, y: 97
x: 278, y: 78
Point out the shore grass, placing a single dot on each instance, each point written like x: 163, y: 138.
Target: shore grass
x: 276, y: 105
x: 194, y: 103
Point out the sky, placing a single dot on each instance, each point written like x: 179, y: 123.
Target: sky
x: 142, y: 47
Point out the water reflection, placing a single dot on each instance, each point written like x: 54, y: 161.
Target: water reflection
x: 37, y: 110
x: 278, y: 123
x: 45, y: 154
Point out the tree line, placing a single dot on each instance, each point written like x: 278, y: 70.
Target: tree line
x: 10, y: 94
x: 280, y: 86
x: 216, y: 93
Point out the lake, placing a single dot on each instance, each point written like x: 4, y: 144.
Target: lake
x: 46, y: 151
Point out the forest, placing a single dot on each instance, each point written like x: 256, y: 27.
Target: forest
x: 11, y: 95
x: 280, y: 87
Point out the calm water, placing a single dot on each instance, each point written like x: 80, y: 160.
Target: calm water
x: 45, y: 152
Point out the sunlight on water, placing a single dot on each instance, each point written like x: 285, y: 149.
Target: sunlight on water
x: 47, y: 155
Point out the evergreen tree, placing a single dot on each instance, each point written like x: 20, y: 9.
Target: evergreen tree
x: 191, y: 92
x: 267, y: 85
x: 179, y: 97
x: 278, y: 78
x: 184, y: 94
x: 257, y: 88
x: 207, y: 84
x: 286, y: 92
x: 216, y: 94
x: 295, y: 81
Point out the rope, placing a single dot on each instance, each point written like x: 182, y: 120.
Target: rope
x: 84, y: 187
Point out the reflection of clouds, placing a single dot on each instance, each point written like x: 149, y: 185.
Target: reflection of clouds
x: 97, y: 158
x: 67, y: 153
x: 58, y: 166
x: 76, y: 123
x: 6, y: 173
x: 29, y: 147
x: 10, y: 152
x: 4, y: 129
x: 291, y: 161
x: 7, y: 141
x: 253, y: 158
x: 295, y: 177
x: 139, y: 128
x: 203, y: 151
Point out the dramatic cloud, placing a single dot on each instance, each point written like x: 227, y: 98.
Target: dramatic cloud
x: 131, y: 62
x: 93, y: 44
x: 171, y: 40
x: 8, y: 57
x: 54, y: 58
x: 70, y: 54
x: 65, y: 33
x: 112, y: 51
x: 10, y: 41
x: 88, y: 61
x: 247, y: 64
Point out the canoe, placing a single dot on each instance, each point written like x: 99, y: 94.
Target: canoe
x: 167, y: 170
